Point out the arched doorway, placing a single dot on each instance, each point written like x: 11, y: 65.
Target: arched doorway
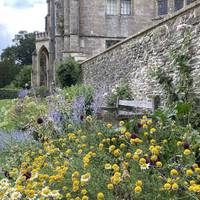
x: 43, y: 66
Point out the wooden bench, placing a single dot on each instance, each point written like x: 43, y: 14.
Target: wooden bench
x: 130, y: 108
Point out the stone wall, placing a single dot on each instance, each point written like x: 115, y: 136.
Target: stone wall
x: 132, y: 59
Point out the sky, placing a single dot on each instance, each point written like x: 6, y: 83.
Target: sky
x: 17, y: 15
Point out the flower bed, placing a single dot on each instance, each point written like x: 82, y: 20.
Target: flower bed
x: 145, y: 159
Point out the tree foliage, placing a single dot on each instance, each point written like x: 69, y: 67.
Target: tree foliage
x: 14, y: 59
x: 8, y: 71
x: 23, y: 77
x: 21, y: 51
x: 69, y: 73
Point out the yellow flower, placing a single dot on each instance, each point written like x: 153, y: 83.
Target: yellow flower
x: 152, y: 130
x: 117, y: 153
x: 127, y: 134
x: 115, y: 167
x: 108, y: 166
x: 189, y: 172
x: 142, y: 161
x: 195, y: 165
x: 89, y: 118
x: 111, y: 148
x: 135, y: 157
x: 99, y: 134
x: 101, y: 146
x: 110, y: 186
x: 100, y: 196
x: 85, y: 197
x: 164, y: 141
x: 109, y: 126
x: 121, y: 123
x: 144, y: 117
x: 138, y: 151
x: 179, y: 143
x: 158, y: 164
x: 84, y: 191
x: 138, y: 183
x: 187, y: 152
x: 113, y: 139
x: 145, y: 126
x: 197, y: 170
x: 154, y: 158
x: 128, y: 155
x: 145, y: 134
x: 175, y: 186
x: 153, y: 142
x: 167, y: 186
x: 137, y: 189
x: 174, y: 172
x: 122, y: 146
x: 68, y: 195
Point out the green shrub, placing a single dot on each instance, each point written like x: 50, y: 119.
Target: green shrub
x: 23, y: 77
x: 8, y: 93
x: 69, y: 73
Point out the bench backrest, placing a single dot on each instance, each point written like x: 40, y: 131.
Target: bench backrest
x: 146, y: 105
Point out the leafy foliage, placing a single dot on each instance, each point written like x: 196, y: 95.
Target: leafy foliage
x: 8, y: 72
x: 69, y: 73
x: 120, y: 91
x: 21, y: 51
x: 8, y: 93
x: 23, y: 77
x: 177, y: 83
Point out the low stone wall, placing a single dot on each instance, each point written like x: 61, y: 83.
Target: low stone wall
x: 132, y: 59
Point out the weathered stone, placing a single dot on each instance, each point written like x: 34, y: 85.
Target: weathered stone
x: 133, y: 59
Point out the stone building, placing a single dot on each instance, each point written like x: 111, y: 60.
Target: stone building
x: 83, y: 28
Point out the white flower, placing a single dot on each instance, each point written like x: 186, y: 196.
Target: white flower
x: 46, y: 192
x: 182, y: 27
x: 105, y: 94
x: 113, y: 90
x: 55, y: 194
x: 16, y: 195
x: 145, y: 166
x: 85, y: 177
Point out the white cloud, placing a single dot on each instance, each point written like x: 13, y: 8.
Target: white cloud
x: 13, y: 18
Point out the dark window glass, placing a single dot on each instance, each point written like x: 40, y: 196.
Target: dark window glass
x: 110, y: 43
x: 162, y: 7
x: 178, y: 4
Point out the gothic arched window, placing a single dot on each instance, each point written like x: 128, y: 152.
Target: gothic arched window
x: 162, y: 7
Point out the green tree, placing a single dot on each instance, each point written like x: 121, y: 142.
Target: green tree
x: 14, y: 59
x: 21, y: 51
x: 8, y: 71
x: 23, y: 77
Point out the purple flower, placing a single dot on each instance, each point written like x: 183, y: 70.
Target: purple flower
x: 186, y: 145
x: 134, y: 136
x: 40, y: 120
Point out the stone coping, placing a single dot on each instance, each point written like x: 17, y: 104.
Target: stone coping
x: 168, y: 18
